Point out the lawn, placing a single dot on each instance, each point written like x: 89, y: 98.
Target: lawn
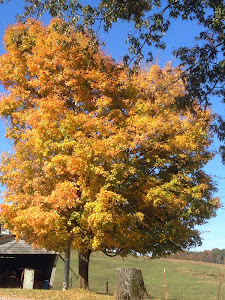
x: 185, y: 280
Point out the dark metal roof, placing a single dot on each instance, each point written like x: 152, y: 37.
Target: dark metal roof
x: 8, y: 245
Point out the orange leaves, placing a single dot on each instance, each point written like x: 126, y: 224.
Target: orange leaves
x: 101, y: 157
x: 64, y: 196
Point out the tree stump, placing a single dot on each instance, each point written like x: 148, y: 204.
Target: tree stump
x: 130, y: 284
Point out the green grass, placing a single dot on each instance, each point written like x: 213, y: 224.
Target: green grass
x: 185, y: 280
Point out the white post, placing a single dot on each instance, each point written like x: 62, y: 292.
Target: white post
x: 28, y: 280
x: 53, y: 273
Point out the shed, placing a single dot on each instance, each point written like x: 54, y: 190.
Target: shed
x: 16, y: 256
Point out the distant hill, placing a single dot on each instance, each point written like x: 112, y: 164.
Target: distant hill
x: 216, y: 256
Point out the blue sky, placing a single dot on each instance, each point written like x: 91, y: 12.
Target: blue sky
x: 181, y: 33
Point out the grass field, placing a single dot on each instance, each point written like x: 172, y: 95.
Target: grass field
x: 185, y: 280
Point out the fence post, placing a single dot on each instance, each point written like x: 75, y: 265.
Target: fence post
x: 220, y: 284
x: 107, y: 288
x: 164, y: 284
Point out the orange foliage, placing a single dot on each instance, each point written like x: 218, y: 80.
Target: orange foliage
x: 102, y: 158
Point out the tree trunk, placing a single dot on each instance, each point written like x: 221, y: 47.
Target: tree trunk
x: 130, y: 284
x: 84, y: 258
x: 66, y: 267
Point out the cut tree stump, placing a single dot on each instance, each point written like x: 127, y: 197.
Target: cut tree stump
x: 130, y: 284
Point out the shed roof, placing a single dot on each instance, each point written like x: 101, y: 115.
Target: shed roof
x: 8, y: 245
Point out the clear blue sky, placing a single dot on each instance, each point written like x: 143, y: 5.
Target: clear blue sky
x: 182, y: 33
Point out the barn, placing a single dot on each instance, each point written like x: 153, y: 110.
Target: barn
x: 16, y: 256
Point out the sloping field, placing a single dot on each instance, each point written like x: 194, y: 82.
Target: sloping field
x: 184, y: 279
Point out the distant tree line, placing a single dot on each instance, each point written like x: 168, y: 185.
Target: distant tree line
x: 212, y: 256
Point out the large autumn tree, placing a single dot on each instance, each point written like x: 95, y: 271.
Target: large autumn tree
x: 102, y: 159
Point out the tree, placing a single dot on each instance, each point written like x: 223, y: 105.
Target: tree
x: 103, y: 159
x: 151, y: 20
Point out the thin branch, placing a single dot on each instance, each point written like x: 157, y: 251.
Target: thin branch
x: 110, y: 253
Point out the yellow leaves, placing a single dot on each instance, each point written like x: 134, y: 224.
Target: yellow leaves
x: 103, y: 102
x: 160, y: 85
x: 104, y: 210
x: 76, y: 230
x: 140, y: 216
x: 109, y: 220
x: 103, y: 156
x: 109, y: 198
